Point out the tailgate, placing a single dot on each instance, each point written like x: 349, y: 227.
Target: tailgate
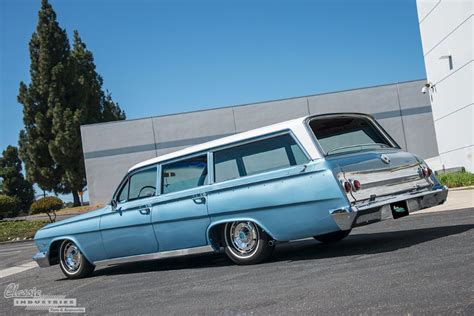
x: 381, y: 173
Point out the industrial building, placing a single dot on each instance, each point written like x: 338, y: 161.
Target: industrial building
x: 447, y: 36
x: 110, y: 149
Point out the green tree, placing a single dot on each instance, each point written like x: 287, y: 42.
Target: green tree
x: 8, y: 205
x: 48, y: 205
x: 65, y: 92
x: 49, y: 56
x: 14, y: 184
x: 87, y: 104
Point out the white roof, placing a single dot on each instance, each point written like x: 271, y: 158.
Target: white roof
x: 296, y: 125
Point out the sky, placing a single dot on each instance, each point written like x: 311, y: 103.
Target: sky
x: 161, y: 57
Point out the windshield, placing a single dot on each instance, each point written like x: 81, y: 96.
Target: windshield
x: 347, y: 133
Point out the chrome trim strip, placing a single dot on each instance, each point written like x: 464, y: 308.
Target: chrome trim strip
x: 400, y: 197
x: 157, y: 255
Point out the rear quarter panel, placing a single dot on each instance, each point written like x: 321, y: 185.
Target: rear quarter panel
x: 288, y: 204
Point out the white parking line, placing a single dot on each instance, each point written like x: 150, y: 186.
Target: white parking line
x: 20, y: 268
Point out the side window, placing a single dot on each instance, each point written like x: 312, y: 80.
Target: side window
x: 226, y: 169
x: 260, y: 156
x: 184, y: 174
x: 142, y: 184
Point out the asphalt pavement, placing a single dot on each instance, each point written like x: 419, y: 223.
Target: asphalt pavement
x: 420, y: 264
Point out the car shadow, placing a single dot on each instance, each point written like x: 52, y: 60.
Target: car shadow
x: 366, y: 243
x: 308, y: 249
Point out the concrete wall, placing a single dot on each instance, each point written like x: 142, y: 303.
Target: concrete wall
x: 111, y: 148
x: 446, y: 28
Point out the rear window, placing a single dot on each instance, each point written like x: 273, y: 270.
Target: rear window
x: 345, y: 134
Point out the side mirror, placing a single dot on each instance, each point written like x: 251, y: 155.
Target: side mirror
x: 113, y: 203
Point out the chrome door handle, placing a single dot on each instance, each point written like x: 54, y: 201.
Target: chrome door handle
x: 144, y: 211
x: 199, y: 199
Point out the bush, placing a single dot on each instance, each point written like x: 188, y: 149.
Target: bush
x: 48, y: 205
x: 456, y: 179
x: 8, y: 204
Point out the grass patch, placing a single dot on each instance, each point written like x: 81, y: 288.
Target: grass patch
x: 456, y: 179
x: 19, y: 230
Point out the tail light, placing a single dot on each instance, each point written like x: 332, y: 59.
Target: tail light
x: 351, y: 185
x: 356, y: 185
x: 347, y: 186
x: 430, y: 172
x: 425, y: 172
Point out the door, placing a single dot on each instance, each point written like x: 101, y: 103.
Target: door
x: 180, y: 218
x: 127, y: 230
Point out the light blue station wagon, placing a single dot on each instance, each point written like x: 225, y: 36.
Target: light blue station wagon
x: 316, y: 176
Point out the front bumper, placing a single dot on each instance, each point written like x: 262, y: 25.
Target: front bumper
x: 42, y: 259
x: 381, y: 209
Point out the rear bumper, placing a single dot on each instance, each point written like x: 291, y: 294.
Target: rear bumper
x: 42, y: 259
x: 371, y: 212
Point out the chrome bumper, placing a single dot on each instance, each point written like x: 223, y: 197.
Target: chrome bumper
x: 381, y: 209
x: 42, y: 259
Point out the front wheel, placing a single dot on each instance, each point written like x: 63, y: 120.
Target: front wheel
x: 246, y: 243
x: 333, y: 237
x: 72, y: 262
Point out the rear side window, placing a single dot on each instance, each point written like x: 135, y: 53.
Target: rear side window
x: 257, y: 157
x: 184, y: 174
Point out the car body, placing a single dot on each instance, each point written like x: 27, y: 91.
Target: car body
x: 313, y: 176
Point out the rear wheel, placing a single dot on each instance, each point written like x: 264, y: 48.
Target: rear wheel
x: 333, y: 237
x: 72, y: 262
x: 246, y: 243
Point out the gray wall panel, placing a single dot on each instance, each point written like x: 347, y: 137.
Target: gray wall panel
x: 104, y: 174
x: 419, y: 128
x: 114, y: 135
x: 261, y: 114
x: 194, y: 125
x: 368, y: 100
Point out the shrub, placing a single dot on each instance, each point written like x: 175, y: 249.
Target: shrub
x: 8, y: 204
x: 48, y: 205
x: 456, y: 179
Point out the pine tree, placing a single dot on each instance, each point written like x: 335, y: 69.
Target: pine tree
x: 49, y: 55
x: 14, y: 184
x: 65, y: 92
x: 87, y: 104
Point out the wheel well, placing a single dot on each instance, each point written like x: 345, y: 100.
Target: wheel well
x: 216, y: 234
x: 54, y: 251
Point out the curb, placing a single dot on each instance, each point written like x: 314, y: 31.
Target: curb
x: 15, y: 241
x: 462, y: 188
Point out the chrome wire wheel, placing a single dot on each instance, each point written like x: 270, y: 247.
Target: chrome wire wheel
x: 243, y: 237
x: 71, y: 257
